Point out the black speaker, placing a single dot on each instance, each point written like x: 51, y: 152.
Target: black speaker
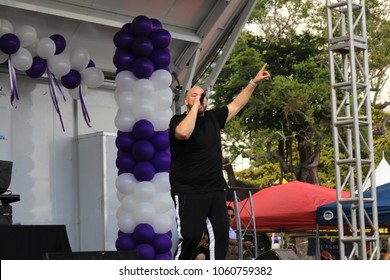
x: 278, y: 254
x: 92, y: 255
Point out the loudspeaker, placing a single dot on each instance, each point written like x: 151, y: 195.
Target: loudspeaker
x: 92, y: 255
x: 278, y: 254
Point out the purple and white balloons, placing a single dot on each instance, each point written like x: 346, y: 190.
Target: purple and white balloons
x: 144, y: 97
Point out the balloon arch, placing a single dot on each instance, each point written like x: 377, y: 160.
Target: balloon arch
x: 35, y: 56
x: 142, y: 58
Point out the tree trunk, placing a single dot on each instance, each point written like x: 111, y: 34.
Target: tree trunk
x: 309, y: 160
x: 241, y: 188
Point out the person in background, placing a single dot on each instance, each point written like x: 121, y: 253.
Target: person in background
x: 197, y: 183
x: 233, y: 252
x: 383, y: 253
x: 202, y: 251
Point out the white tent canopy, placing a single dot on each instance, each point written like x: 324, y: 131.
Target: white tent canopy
x: 382, y: 174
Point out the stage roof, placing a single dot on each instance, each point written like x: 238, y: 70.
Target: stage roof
x: 199, y: 28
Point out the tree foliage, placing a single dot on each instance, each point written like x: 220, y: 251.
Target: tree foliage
x: 285, y: 129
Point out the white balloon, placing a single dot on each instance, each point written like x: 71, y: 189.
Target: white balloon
x: 172, y: 213
x: 143, y: 88
x: 163, y: 202
x: 125, y: 81
x: 143, y: 109
x: 59, y: 65
x: 121, y: 212
x: 26, y: 34
x: 92, y: 77
x: 162, y: 223
x: 161, y: 182
x: 129, y: 203
x: 79, y: 59
x: 3, y: 57
x: 124, y: 120
x: 5, y: 27
x: 124, y: 99
x: 22, y: 59
x: 127, y: 224
x: 161, y: 79
x: 75, y: 92
x: 144, y: 192
x: 33, y: 48
x: 144, y: 212
x: 161, y: 120
x: 163, y: 99
x: 119, y: 196
x: 46, y: 48
x: 125, y: 183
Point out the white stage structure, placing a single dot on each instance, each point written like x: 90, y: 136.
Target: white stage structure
x: 352, y: 125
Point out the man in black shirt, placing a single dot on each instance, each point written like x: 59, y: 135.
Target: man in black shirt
x: 196, y: 177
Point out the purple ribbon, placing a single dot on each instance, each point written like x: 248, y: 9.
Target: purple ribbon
x: 12, y: 80
x: 84, y: 108
x: 53, y: 95
x: 58, y: 86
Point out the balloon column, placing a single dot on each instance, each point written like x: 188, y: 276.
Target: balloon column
x: 144, y: 97
x: 37, y: 56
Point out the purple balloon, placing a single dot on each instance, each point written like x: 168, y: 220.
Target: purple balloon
x: 142, y: 26
x: 38, y: 68
x: 145, y: 252
x: 124, y: 142
x: 125, y: 163
x: 143, y: 233
x: 162, y: 161
x: 143, y: 130
x: 161, y: 38
x: 142, y: 46
x: 125, y: 242
x: 143, y: 150
x: 160, y: 141
x: 123, y: 40
x: 120, y: 152
x: 163, y: 257
x: 123, y: 60
x: 71, y: 80
x: 120, y: 233
x: 161, y: 58
x: 144, y: 171
x: 142, y: 68
x: 60, y: 43
x: 162, y: 243
x: 9, y: 43
x: 91, y: 64
x: 156, y: 24
x: 128, y: 28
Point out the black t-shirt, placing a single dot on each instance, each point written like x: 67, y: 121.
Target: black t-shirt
x: 196, y: 163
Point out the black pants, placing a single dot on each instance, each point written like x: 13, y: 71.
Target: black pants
x: 194, y: 212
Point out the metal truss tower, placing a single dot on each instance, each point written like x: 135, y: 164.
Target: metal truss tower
x: 352, y: 127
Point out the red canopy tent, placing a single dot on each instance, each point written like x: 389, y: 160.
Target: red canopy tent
x: 287, y: 207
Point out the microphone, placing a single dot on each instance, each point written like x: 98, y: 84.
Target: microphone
x: 201, y: 98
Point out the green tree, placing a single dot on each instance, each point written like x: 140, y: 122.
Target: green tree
x: 290, y: 105
x: 286, y: 125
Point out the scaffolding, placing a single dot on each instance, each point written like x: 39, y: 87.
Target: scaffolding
x: 352, y: 126
x: 242, y: 202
